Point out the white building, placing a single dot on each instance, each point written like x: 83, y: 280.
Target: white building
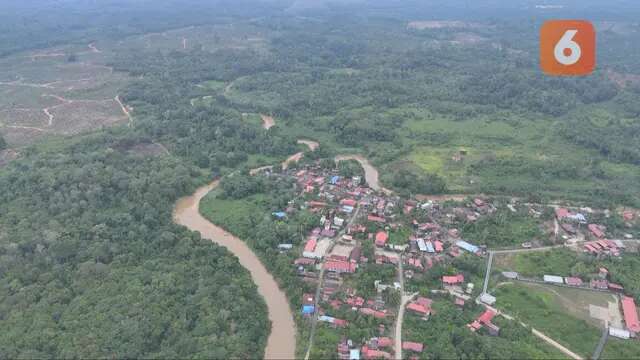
x: 552, y: 279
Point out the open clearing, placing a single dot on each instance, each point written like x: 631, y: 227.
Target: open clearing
x: 52, y: 92
x: 70, y: 89
x: 543, y: 309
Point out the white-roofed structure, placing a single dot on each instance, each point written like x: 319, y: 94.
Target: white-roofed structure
x: 552, y: 279
x: 619, y: 333
x: 422, y: 245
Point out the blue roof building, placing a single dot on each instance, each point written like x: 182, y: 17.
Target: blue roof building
x: 308, y: 309
x: 468, y: 247
x: 354, y: 354
x: 430, y: 247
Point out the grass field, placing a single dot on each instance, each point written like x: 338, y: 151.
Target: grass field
x: 621, y: 349
x: 541, y: 309
x: 559, y: 261
x: 235, y: 214
x: 564, y: 315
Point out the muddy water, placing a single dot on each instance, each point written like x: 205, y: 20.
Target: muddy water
x: 370, y: 172
x: 282, y: 339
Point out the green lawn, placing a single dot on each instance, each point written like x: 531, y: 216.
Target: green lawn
x: 542, y: 310
x: 621, y: 349
x: 236, y: 215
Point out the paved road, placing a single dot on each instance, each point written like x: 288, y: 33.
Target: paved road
x: 601, y: 343
x: 314, y: 320
x: 488, y: 273
x: 403, y: 303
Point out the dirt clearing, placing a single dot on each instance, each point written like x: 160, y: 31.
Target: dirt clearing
x: 267, y: 121
x: 80, y: 116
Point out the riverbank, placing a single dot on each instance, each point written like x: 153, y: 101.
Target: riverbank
x: 370, y: 172
x: 282, y: 338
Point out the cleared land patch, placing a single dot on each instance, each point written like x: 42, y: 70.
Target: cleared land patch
x: 62, y: 91
x: 544, y: 310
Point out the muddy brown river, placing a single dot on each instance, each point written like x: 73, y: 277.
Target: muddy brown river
x: 282, y: 338
x: 370, y: 172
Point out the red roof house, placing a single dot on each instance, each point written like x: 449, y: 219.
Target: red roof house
x: 599, y: 284
x: 438, y: 246
x: 453, y: 280
x: 573, y: 281
x: 561, y: 213
x: 419, y: 309
x: 368, y: 353
x: 615, y: 287
x: 340, y: 323
x: 630, y: 314
x: 304, y: 261
x: 340, y: 266
x: 310, y: 246
x: 486, y: 317
x: 384, y: 342
x: 596, y: 230
x: 377, y: 219
x: 412, y: 346
x: 381, y: 238
x: 485, y: 320
x: 370, y: 311
x: 415, y: 262
x: 348, y: 202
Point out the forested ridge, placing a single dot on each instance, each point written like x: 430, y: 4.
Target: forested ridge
x: 91, y: 265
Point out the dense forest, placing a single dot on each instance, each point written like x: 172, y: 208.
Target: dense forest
x: 91, y: 265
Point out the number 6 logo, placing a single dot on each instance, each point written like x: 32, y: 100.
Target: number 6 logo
x: 567, y: 47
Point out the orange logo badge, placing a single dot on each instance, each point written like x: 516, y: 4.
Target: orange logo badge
x: 567, y: 47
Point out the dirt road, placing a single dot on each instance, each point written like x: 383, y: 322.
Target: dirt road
x: 312, y: 145
x: 124, y: 108
x: 282, y: 339
x: 555, y: 344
